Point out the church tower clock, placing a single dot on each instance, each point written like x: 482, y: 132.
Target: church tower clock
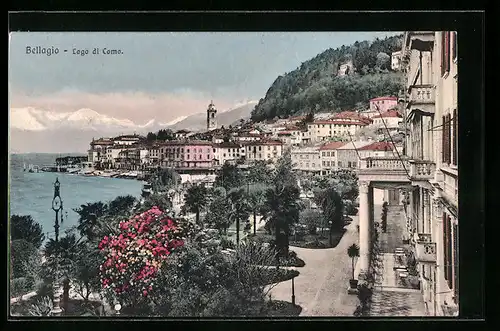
x: 211, y: 117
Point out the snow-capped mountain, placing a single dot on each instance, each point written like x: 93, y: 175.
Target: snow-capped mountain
x: 36, y: 130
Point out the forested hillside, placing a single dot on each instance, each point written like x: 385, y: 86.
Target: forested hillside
x: 315, y: 85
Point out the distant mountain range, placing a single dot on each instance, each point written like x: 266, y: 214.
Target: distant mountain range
x: 36, y: 130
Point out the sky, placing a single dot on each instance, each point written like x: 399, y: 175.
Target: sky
x: 158, y: 75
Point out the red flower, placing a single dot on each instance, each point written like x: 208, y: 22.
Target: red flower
x: 144, y: 292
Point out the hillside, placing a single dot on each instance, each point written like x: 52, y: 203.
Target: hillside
x: 197, y: 122
x: 317, y: 85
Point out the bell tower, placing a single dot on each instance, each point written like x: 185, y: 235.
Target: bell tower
x: 211, y: 117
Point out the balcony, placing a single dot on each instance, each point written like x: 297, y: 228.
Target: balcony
x: 422, y: 170
x: 420, y: 40
x: 422, y: 98
x: 425, y: 251
x: 384, y: 169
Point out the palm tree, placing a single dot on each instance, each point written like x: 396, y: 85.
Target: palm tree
x: 240, y: 209
x: 121, y: 205
x: 282, y: 209
x: 256, y: 199
x: 195, y: 200
x: 89, y: 215
x: 332, y: 207
x: 353, y: 252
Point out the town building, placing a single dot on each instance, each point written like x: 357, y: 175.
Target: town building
x: 329, y: 159
x: 432, y: 115
x: 187, y: 155
x: 306, y: 159
x: 181, y: 134
x: 291, y: 136
x: 324, y: 130
x: 127, y: 139
x: 377, y: 149
x: 383, y: 104
x: 226, y: 152
x: 97, y: 154
x: 390, y: 120
x: 348, y: 156
x: 263, y: 150
x: 396, y: 60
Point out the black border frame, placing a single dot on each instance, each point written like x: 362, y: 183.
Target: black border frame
x: 471, y: 39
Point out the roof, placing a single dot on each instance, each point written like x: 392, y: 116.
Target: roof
x: 305, y: 150
x: 296, y: 118
x: 358, y: 144
x: 102, y: 142
x: 390, y: 113
x: 187, y: 142
x: 352, y: 115
x: 182, y: 131
x: 384, y: 98
x: 332, y: 145
x: 378, y: 146
x: 338, y: 122
x: 227, y: 145
x: 266, y: 142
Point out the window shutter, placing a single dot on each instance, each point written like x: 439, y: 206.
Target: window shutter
x: 455, y: 262
x: 449, y: 266
x: 454, y: 46
x: 455, y: 133
x: 443, y: 47
x: 449, y: 138
x: 443, y: 138
x: 447, y: 53
x: 445, y: 246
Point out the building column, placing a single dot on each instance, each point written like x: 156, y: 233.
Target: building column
x: 364, y: 226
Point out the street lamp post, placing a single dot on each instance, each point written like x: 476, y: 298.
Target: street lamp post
x: 293, y: 291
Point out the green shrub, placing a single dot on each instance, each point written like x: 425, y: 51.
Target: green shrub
x: 20, y: 286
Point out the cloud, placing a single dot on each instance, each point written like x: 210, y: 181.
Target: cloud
x: 137, y: 106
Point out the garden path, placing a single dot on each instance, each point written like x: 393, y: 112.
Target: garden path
x: 321, y: 287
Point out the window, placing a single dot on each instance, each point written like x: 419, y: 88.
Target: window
x: 324, y: 163
x: 328, y: 154
x: 333, y: 154
x: 323, y: 153
x: 268, y: 156
x: 224, y: 155
x: 455, y: 140
x: 187, y: 156
x: 446, y: 136
x: 445, y: 52
x: 208, y: 150
x: 339, y: 163
x: 447, y: 249
x: 260, y: 156
x: 260, y: 148
x: 199, y: 157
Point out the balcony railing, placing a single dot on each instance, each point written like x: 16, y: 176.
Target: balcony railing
x: 425, y: 252
x: 424, y: 237
x: 422, y: 170
x: 384, y: 163
x: 422, y: 94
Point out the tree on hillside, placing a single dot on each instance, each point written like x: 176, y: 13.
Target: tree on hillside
x: 383, y: 61
x: 26, y: 228
x: 195, y: 200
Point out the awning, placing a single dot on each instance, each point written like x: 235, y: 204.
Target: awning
x: 416, y: 112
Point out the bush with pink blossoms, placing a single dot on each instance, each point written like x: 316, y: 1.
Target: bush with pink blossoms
x: 135, y: 255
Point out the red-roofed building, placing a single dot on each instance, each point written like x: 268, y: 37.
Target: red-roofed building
x: 377, y: 149
x: 292, y: 135
x: 383, y: 103
x: 328, y: 154
x: 392, y: 119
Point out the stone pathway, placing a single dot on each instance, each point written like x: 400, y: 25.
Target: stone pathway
x: 397, y: 303
x: 321, y: 287
x: 389, y: 297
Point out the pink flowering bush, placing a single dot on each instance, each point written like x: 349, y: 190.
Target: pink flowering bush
x: 135, y: 255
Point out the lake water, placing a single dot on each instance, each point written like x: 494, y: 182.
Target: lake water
x: 32, y: 193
